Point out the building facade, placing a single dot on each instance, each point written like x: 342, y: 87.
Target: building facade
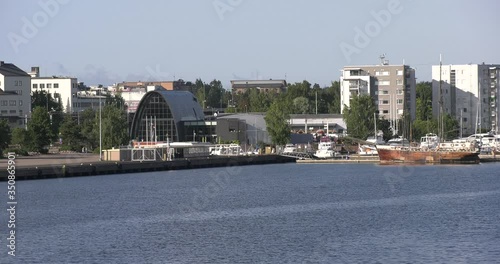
x: 469, y: 93
x: 62, y: 89
x: 241, y: 86
x: 161, y: 115
x: 393, y: 87
x: 15, y: 96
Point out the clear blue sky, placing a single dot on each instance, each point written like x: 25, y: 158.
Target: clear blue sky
x: 113, y: 41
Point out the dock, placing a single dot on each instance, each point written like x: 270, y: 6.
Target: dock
x: 48, y: 171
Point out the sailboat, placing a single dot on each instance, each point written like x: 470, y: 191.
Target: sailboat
x: 431, y: 149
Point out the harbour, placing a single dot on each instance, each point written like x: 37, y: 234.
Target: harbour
x: 274, y: 213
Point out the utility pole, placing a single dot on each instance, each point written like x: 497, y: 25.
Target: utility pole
x: 100, y: 129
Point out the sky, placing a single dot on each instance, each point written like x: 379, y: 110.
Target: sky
x: 106, y: 42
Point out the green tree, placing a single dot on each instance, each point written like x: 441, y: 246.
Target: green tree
x: 71, y: 134
x: 20, y: 137
x: 277, y: 121
x: 39, y: 129
x: 89, y: 123
x: 424, y: 101
x: 114, y: 127
x: 359, y: 116
x: 5, y: 134
x: 301, y: 105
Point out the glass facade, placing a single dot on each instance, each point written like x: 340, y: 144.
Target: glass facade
x: 156, y: 122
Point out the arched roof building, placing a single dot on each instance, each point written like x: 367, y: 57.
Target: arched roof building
x: 160, y: 115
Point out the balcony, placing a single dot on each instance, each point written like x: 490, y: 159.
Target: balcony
x: 493, y: 75
x: 493, y: 84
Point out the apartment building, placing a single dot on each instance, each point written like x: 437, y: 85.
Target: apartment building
x: 241, y: 86
x: 469, y: 93
x: 393, y: 87
x: 15, y: 97
x: 62, y: 89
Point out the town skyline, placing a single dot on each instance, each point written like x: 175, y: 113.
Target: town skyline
x: 232, y: 40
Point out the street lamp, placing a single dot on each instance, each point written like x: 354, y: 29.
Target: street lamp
x: 100, y: 130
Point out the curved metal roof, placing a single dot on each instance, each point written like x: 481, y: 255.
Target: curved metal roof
x: 183, y: 106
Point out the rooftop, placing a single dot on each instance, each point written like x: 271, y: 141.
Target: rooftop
x: 9, y: 69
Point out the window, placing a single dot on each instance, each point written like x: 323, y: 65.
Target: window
x: 465, y: 110
x: 4, y: 102
x: 400, y: 72
x: 49, y: 85
x: 385, y: 111
x: 42, y: 86
x: 385, y: 102
x: 4, y: 111
x: 56, y: 85
x: 12, y: 102
x: 400, y: 101
x: 465, y: 119
x: 35, y: 86
x: 399, y: 82
x: 400, y: 91
x: 400, y: 111
x: 19, y: 92
x: 384, y: 82
x: 20, y: 112
x: 12, y: 111
x: 385, y: 92
x: 376, y: 92
x: 20, y: 102
x: 18, y: 83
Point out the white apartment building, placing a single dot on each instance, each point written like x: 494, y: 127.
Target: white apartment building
x: 393, y: 87
x: 62, y: 89
x: 15, y: 97
x: 469, y: 93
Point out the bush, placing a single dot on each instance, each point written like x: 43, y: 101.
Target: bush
x: 18, y: 151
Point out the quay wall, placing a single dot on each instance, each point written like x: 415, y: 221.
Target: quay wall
x: 106, y: 168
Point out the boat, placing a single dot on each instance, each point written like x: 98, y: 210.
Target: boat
x: 325, y: 149
x: 289, y: 148
x: 458, y: 151
x: 367, y: 150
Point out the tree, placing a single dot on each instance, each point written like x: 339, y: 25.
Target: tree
x: 39, y: 129
x: 71, y: 134
x: 89, y: 120
x: 277, y: 121
x: 301, y: 105
x: 20, y: 137
x: 424, y: 101
x: 359, y: 116
x: 5, y: 135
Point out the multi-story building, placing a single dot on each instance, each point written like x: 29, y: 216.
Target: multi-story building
x: 15, y: 97
x: 393, y: 87
x: 62, y: 89
x: 468, y: 93
x: 241, y: 86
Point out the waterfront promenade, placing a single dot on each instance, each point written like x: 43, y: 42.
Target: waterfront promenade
x: 52, y: 159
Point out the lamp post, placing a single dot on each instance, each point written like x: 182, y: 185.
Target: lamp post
x: 100, y: 129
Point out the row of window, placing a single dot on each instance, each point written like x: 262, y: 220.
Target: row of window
x: 385, y: 92
x: 4, y: 112
x: 386, y: 102
x: 42, y: 85
x: 10, y: 102
x: 387, y: 73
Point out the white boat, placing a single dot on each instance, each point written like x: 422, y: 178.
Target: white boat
x: 399, y: 141
x: 289, y: 148
x: 429, y: 141
x: 325, y: 149
x: 367, y: 150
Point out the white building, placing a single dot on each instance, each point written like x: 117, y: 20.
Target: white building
x: 62, y: 89
x: 469, y: 93
x: 393, y: 87
x: 15, y: 97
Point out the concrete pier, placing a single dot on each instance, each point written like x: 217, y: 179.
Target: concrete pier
x: 46, y: 171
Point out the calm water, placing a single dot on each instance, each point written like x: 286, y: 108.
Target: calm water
x: 290, y: 213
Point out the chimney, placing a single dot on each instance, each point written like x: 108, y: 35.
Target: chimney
x: 35, y: 72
